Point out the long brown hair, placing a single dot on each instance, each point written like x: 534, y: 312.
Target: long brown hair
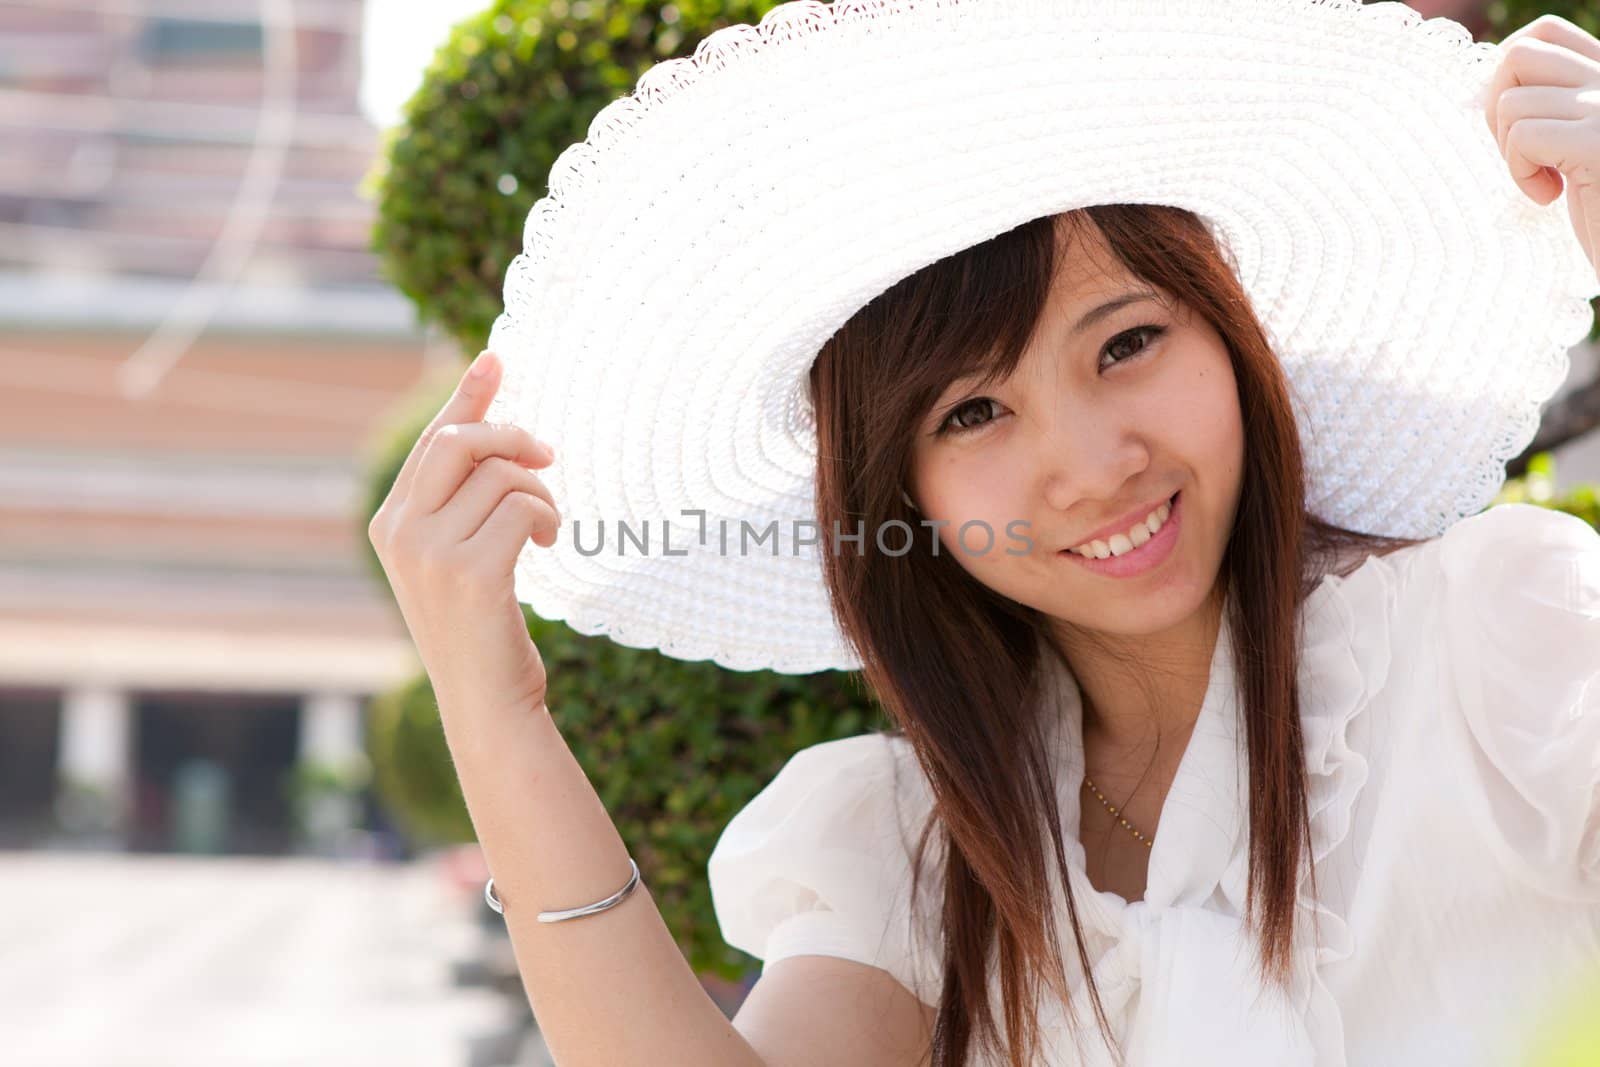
x: 956, y: 664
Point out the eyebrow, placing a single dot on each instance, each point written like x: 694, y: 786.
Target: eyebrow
x: 1094, y: 315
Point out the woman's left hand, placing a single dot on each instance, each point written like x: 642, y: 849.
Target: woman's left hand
x: 1543, y: 107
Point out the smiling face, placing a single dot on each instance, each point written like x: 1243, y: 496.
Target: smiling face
x: 1120, y: 400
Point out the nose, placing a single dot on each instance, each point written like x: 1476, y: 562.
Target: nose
x: 1088, y: 454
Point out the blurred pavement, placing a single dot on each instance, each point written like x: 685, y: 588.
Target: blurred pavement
x: 128, y: 960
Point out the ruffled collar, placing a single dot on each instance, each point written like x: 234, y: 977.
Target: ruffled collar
x: 1177, y: 971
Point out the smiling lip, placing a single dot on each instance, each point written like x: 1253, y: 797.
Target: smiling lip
x: 1105, y: 533
x: 1146, y: 557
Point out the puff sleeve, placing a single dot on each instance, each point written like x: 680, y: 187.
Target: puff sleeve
x: 819, y: 863
x: 1519, y: 607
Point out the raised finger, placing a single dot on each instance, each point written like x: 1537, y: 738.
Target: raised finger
x: 1557, y: 30
x: 1538, y: 149
x: 515, y: 520
x: 1533, y: 61
x: 456, y: 449
x: 481, y: 493
x: 1534, y: 102
x: 467, y: 403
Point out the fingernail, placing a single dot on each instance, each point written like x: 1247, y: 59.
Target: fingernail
x: 480, y: 366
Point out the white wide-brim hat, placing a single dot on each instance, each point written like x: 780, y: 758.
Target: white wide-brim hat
x: 723, y: 220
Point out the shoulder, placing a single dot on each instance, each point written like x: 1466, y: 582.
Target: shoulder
x: 849, y: 785
x: 1512, y: 542
x: 821, y: 861
x: 828, y: 783
x: 1512, y: 553
x: 1515, y: 601
x: 1517, y: 588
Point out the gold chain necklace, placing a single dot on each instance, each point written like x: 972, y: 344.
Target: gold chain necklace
x: 1148, y: 843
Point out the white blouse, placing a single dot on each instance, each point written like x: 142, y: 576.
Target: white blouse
x: 1450, y: 695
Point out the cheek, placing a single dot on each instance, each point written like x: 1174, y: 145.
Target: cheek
x: 1204, y: 417
x: 978, y: 485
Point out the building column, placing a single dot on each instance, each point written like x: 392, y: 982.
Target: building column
x: 94, y: 768
x: 333, y: 767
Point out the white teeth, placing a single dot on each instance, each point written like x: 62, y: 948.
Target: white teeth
x: 1123, y: 543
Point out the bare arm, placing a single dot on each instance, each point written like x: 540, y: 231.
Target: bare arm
x: 609, y: 988
x: 824, y: 1011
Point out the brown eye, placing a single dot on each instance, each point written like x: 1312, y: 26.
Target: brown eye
x: 1150, y: 331
x: 953, y: 425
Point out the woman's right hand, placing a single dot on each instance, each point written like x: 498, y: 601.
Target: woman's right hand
x: 448, y: 536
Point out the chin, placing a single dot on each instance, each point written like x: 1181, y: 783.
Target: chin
x: 1151, y: 611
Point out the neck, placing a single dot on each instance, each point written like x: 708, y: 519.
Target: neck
x: 1141, y: 694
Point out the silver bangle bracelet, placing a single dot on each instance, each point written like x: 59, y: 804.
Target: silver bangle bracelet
x: 571, y: 913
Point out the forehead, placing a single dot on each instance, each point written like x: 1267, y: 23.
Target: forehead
x: 1086, y: 267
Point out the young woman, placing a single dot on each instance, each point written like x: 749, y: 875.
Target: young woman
x: 1229, y: 728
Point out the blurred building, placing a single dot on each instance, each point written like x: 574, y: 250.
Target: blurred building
x: 195, y: 347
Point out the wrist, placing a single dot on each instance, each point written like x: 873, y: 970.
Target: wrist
x: 477, y: 727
